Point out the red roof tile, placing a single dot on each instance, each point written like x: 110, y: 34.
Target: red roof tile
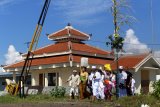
x: 43, y: 61
x: 66, y: 31
x: 59, y: 33
x: 129, y: 61
x: 77, y: 33
x: 96, y: 61
x: 59, y: 47
x: 63, y: 47
x: 87, y: 48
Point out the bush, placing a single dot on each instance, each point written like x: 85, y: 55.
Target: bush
x: 156, y: 87
x: 58, y: 92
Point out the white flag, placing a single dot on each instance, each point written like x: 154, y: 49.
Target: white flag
x: 84, y: 61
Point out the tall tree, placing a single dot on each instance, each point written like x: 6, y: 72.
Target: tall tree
x: 120, y: 18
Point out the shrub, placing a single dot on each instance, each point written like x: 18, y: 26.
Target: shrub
x: 156, y: 87
x: 58, y: 92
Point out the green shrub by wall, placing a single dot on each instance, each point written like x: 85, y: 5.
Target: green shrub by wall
x: 58, y: 92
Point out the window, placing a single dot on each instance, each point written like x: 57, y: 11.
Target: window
x: 28, y: 81
x: 4, y: 83
x: 52, y: 79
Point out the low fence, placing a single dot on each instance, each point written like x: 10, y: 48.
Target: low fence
x: 42, y: 90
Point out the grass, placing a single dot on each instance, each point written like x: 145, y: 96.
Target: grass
x: 8, y: 99
x: 134, y: 101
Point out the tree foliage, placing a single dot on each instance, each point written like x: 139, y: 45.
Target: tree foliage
x: 120, y: 11
x: 156, y: 87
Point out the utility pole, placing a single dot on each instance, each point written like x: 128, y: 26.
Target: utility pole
x: 116, y: 35
x: 116, y: 42
x: 32, y: 48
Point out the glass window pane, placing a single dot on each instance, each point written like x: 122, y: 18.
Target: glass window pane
x: 52, y: 79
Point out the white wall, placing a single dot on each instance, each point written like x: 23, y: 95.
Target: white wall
x: 34, y: 78
x: 64, y: 74
x: 152, y: 78
x: 46, y: 80
x: 137, y: 77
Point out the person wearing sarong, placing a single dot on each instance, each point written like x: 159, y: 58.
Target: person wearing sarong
x: 108, y: 89
x: 122, y: 82
x: 83, y: 82
x: 109, y: 81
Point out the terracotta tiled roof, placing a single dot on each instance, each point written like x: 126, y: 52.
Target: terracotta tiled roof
x: 95, y: 61
x: 43, y: 61
x: 59, y: 47
x: 129, y: 61
x: 60, y: 59
x: 63, y: 47
x: 62, y: 32
x: 77, y: 33
x: 88, y: 48
x: 68, y: 31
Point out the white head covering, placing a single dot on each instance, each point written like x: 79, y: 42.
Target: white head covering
x: 93, y: 67
x: 120, y: 67
x: 74, y: 70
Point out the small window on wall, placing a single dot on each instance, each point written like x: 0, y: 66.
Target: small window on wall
x: 3, y: 83
x: 52, y: 79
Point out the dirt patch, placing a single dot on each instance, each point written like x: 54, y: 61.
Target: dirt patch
x: 68, y: 104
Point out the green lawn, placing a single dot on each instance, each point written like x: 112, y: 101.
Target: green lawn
x: 134, y: 101
x: 8, y: 99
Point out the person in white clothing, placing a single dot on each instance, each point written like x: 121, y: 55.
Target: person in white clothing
x: 74, y: 81
x: 90, y: 78
x: 96, y: 77
x: 101, y: 85
x: 133, y: 85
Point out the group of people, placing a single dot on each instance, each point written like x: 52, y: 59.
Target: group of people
x: 100, y: 84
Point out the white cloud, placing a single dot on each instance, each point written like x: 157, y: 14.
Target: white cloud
x: 157, y: 55
x: 132, y: 43
x: 12, y: 56
x: 6, y: 2
x: 83, y: 11
x: 1, y: 69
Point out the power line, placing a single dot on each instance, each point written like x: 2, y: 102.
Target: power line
x: 152, y: 24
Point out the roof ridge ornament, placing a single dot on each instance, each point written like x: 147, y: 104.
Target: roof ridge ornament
x: 69, y: 26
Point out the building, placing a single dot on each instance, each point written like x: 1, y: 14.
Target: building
x: 145, y: 69
x: 53, y: 64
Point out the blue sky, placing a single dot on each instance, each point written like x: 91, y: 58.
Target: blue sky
x: 19, y: 18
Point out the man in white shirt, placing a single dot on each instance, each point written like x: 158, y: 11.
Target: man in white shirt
x: 74, y: 81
